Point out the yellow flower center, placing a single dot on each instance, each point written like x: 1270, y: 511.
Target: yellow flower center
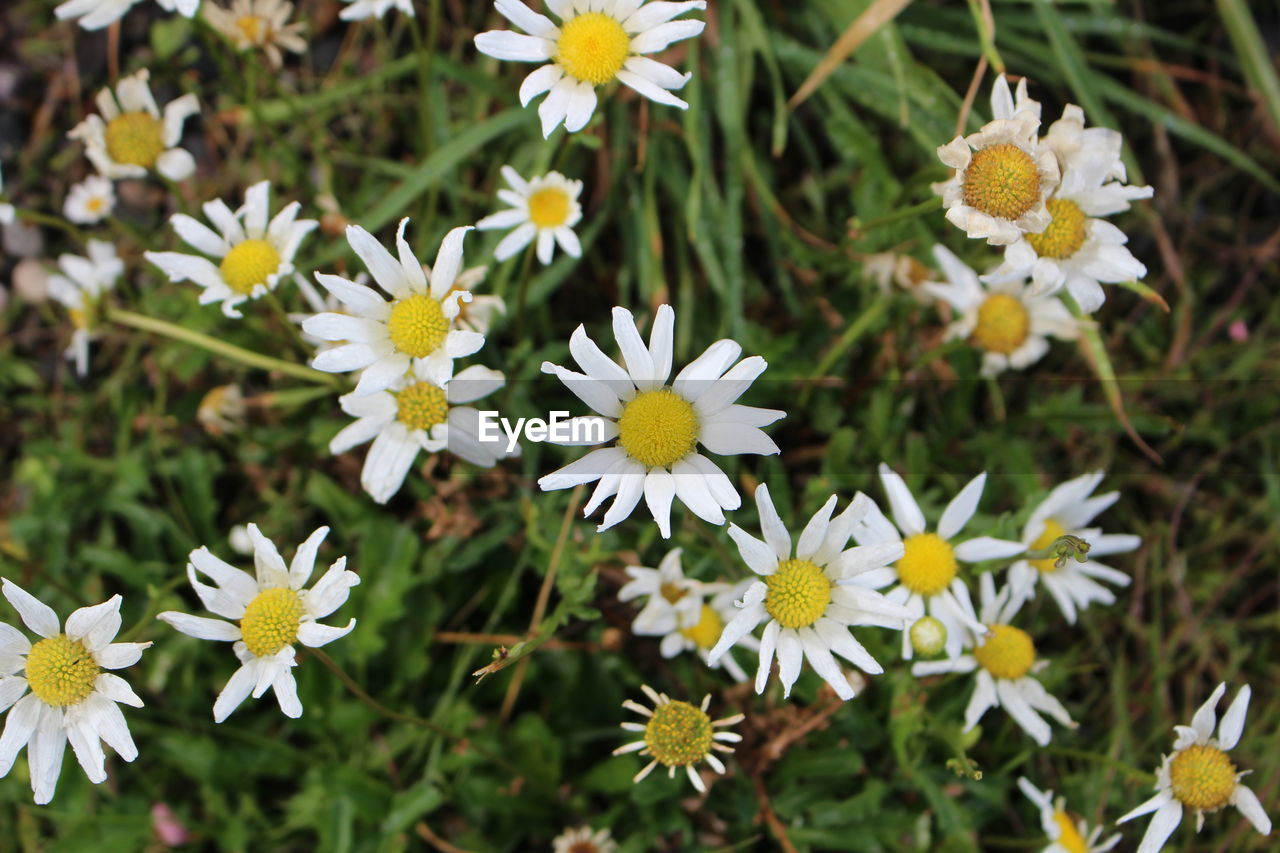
x: 658, y: 428
x: 1066, y: 231
x: 271, y: 620
x: 417, y: 325
x: 422, y: 405
x: 928, y: 565
x: 135, y: 139
x: 253, y: 28
x: 799, y: 593
x: 1052, y: 530
x: 1001, y: 181
x: 672, y: 592
x: 1003, y: 323
x: 1007, y: 653
x: 1069, y: 837
x: 678, y: 734
x: 592, y: 47
x: 248, y: 265
x: 95, y: 204
x: 705, y: 634
x: 1203, y: 777
x: 549, y: 207
x: 60, y: 671
x: 79, y: 318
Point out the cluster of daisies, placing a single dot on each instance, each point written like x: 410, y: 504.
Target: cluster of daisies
x: 399, y: 328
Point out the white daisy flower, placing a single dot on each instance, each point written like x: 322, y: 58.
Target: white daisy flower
x: 545, y: 208
x: 1077, y: 249
x: 1200, y: 776
x: 90, y: 201
x: 79, y: 287
x: 677, y: 735
x: 1068, y: 511
x: 927, y: 575
x: 7, y: 211
x: 385, y: 338
x: 671, y: 596
x: 361, y: 9
x: 131, y: 137
x: 254, y: 254
x: 1003, y: 174
x: 418, y: 414
x: 258, y: 23
x: 1008, y: 321
x: 699, y: 631
x: 812, y: 597
x: 1065, y: 835
x: 71, y: 698
x: 658, y: 427
x: 584, y: 840
x: 1004, y: 659
x: 273, y: 611
x: 597, y: 42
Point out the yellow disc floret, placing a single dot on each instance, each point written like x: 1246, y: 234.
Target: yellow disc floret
x: 1003, y: 324
x: 422, y: 405
x: 1069, y: 837
x: 135, y: 139
x: 1001, y: 181
x: 705, y: 634
x: 417, y: 325
x: 254, y: 29
x: 678, y: 734
x: 1052, y: 531
x: 549, y: 207
x: 60, y: 671
x: 672, y: 592
x: 271, y: 620
x: 1007, y: 653
x: 1065, y: 234
x: 928, y: 564
x: 1203, y: 777
x: 799, y: 592
x: 248, y: 265
x: 592, y: 48
x: 658, y: 428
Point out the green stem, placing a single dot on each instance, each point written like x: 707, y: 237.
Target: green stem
x: 244, y: 356
x: 38, y: 218
x: 926, y: 206
x: 856, y: 330
x: 522, y: 287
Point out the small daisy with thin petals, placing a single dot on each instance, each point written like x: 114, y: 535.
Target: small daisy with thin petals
x: 268, y: 614
x: 658, y: 427
x: 90, y: 201
x: 699, y: 631
x: 1077, y: 249
x: 384, y: 339
x: 418, y: 414
x: 254, y: 254
x: 927, y: 575
x: 361, y: 9
x: 7, y: 212
x: 258, y: 23
x: 544, y: 208
x: 71, y: 699
x: 1200, y: 776
x: 1008, y: 321
x: 1069, y: 510
x: 595, y: 43
x: 79, y: 287
x: 1004, y: 659
x: 813, y: 595
x: 584, y: 840
x: 1004, y: 174
x: 131, y: 137
x: 1065, y: 835
x: 677, y: 735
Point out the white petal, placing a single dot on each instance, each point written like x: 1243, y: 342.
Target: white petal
x: 286, y: 690
x: 738, y: 627
x: 1162, y: 825
x: 1206, y: 716
x: 236, y: 691
x: 541, y: 80
x: 36, y: 615
x: 906, y: 512
x: 514, y: 47
x: 314, y: 634
x: 19, y: 725
x: 790, y: 657
x: 201, y: 627
x: 987, y: 548
x: 581, y: 106
x: 332, y: 590
x: 120, y: 655
x: 1016, y: 704
x: 768, y: 644
x: 304, y: 559
x: 1232, y: 725
x: 97, y: 625
x: 657, y: 38
x: 659, y: 491
x: 775, y: 532
x: 1247, y: 802
x: 962, y: 507
x: 815, y: 532
x: 758, y: 556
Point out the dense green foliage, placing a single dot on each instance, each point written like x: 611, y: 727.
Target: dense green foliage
x: 752, y: 220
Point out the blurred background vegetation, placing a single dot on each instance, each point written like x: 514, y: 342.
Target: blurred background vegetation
x: 755, y: 221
